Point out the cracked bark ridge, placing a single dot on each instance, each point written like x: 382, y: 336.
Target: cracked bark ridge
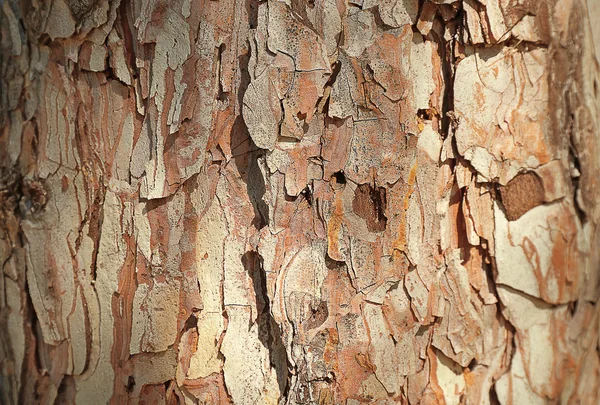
x: 301, y: 202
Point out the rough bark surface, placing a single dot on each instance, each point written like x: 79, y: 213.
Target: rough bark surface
x: 300, y: 202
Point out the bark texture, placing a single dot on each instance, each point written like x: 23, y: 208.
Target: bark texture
x: 300, y: 202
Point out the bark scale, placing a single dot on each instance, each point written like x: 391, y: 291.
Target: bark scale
x: 301, y: 202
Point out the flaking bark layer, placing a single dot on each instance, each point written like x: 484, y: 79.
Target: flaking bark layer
x: 299, y: 202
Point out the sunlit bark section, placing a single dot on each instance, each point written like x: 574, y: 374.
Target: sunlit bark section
x: 301, y: 202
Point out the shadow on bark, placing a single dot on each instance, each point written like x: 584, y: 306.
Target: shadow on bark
x: 269, y: 332
x: 245, y: 154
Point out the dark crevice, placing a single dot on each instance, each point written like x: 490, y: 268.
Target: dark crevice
x: 252, y: 10
x: 445, y: 49
x: 419, y: 11
x: 256, y: 190
x: 307, y: 194
x: 340, y: 177
x: 190, y: 323
x: 95, y: 228
x: 576, y: 165
x: 94, y: 188
x: 130, y: 384
x: 338, y: 180
x: 335, y: 70
x: 494, y: 400
x: 572, y: 307
x: 129, y: 43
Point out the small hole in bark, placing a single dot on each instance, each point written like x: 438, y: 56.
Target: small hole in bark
x: 307, y: 194
x: 191, y: 322
x: 425, y: 114
x: 572, y: 307
x: 339, y: 178
x: 130, y: 383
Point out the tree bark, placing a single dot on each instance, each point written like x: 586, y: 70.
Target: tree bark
x: 301, y: 202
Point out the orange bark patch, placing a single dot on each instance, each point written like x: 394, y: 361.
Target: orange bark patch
x: 400, y: 242
x: 333, y: 230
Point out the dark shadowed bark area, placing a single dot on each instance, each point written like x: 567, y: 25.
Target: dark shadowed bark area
x: 299, y: 202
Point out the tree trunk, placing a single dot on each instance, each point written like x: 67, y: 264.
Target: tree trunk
x: 301, y: 202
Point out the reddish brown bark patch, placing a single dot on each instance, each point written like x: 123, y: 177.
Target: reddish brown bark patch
x: 369, y: 203
x: 521, y: 194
